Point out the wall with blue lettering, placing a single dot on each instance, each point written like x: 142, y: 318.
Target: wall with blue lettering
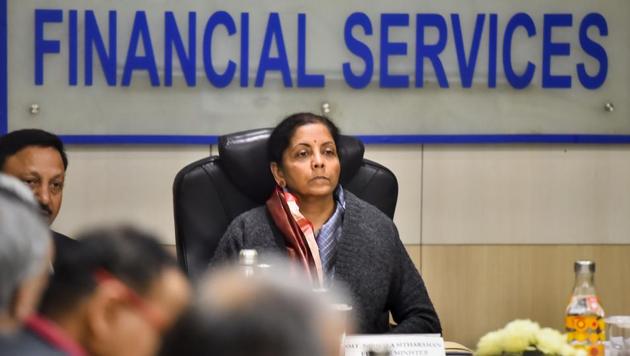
x: 383, y: 69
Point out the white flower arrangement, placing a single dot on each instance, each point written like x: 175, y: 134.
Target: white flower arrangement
x: 525, y: 336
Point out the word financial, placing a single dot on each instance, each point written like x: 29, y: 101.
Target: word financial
x: 432, y: 32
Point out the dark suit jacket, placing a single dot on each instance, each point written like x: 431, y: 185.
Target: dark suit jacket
x: 26, y: 343
x: 62, y: 241
x: 39, y: 337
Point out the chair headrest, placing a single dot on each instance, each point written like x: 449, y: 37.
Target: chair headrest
x: 244, y: 158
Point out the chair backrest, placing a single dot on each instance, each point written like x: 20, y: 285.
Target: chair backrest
x: 208, y: 194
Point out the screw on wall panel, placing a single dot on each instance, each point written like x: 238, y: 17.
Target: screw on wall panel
x: 34, y: 109
x: 326, y: 108
x: 609, y: 107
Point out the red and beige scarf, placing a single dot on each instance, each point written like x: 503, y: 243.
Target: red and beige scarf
x: 298, y: 233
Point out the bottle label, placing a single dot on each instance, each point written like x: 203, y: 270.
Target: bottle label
x: 585, y: 324
x: 592, y: 350
x: 586, y: 332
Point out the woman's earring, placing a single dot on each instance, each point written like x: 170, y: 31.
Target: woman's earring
x: 282, y: 183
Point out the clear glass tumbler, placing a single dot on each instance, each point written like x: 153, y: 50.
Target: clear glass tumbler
x: 618, y: 335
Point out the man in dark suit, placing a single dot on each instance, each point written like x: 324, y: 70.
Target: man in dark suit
x: 37, y: 158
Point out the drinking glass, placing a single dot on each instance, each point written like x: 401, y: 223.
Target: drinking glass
x: 618, y: 335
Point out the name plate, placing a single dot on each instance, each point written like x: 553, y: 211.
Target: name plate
x: 407, y: 344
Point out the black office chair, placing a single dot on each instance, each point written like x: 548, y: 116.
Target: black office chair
x: 209, y: 193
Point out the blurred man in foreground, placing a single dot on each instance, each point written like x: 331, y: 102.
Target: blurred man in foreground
x: 272, y: 313
x: 37, y: 158
x: 114, y: 294
x: 25, y: 255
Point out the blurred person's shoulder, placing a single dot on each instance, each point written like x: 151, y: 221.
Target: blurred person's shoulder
x: 26, y: 343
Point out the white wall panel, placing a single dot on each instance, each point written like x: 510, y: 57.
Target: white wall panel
x: 526, y: 194
x: 123, y: 184
x: 405, y: 161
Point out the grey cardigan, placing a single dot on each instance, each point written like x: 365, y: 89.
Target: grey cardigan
x: 371, y: 261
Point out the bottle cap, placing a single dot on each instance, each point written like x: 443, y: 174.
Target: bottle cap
x: 247, y: 257
x: 584, y: 266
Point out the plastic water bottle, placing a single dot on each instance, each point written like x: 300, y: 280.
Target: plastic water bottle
x: 584, y: 321
x: 247, y: 260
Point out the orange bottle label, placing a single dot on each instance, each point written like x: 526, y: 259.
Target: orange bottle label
x: 586, y: 332
x: 594, y: 350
